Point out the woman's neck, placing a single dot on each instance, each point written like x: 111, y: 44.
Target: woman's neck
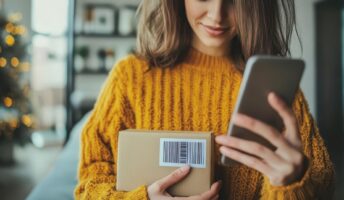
x: 211, y: 51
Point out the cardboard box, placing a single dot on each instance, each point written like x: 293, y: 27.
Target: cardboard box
x: 147, y: 156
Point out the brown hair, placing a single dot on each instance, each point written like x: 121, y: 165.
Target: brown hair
x: 263, y: 27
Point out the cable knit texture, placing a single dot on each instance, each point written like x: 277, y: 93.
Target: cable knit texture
x: 197, y: 95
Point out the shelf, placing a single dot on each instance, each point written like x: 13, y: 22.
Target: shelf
x: 89, y: 81
x: 96, y: 35
x: 94, y: 73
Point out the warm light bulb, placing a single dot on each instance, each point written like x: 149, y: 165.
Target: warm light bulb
x: 20, y: 30
x: 15, y: 17
x: 8, y: 102
x: 9, y: 27
x: 3, y: 62
x: 26, y: 119
x: 10, y: 40
x: 15, y: 62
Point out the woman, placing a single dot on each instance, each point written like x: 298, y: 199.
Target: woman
x: 185, y: 76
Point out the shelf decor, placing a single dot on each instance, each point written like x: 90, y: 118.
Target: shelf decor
x: 127, y: 21
x: 99, y: 19
x: 82, y: 54
x: 108, y: 28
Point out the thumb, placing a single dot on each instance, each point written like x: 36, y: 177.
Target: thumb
x: 173, y: 178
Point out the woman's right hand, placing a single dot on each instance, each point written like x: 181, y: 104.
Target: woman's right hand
x: 157, y: 190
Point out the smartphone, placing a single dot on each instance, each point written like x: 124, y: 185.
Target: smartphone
x: 262, y: 75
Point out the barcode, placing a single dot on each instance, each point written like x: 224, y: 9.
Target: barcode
x: 179, y: 152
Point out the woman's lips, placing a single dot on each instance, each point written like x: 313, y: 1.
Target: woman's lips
x: 214, y: 31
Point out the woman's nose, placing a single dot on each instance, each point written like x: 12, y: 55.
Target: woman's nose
x: 216, y: 11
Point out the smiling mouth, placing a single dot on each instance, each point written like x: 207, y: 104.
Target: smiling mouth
x: 215, y: 31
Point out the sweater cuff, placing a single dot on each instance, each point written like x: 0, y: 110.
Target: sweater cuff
x: 139, y: 193
x: 302, y: 189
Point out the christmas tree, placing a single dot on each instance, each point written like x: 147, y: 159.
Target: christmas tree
x: 15, y: 110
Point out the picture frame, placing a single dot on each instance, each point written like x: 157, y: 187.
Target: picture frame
x: 100, y: 19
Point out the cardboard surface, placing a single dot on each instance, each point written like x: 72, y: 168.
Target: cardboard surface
x: 139, y: 164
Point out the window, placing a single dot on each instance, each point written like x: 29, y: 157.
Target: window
x: 49, y: 65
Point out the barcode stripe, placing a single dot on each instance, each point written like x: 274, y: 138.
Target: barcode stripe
x: 183, y: 152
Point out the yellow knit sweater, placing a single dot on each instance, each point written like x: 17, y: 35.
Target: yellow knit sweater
x: 197, y: 95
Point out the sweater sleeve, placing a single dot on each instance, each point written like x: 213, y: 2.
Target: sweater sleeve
x: 318, y: 180
x: 97, y: 166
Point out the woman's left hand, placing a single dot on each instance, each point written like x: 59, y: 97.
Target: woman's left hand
x: 283, y: 166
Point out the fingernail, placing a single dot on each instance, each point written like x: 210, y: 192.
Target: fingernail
x: 274, y: 95
x: 222, y: 149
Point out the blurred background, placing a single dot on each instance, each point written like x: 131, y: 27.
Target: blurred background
x: 56, y: 54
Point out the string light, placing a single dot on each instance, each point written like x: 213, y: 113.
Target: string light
x: 15, y: 62
x: 8, y: 102
x: 19, y: 30
x: 15, y: 17
x: 27, y: 120
x: 3, y: 62
x: 10, y: 40
x: 9, y: 27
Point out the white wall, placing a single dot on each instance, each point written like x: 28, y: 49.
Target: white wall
x: 306, y: 26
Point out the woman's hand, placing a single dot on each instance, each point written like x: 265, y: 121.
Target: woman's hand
x: 158, y: 189
x: 283, y: 166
